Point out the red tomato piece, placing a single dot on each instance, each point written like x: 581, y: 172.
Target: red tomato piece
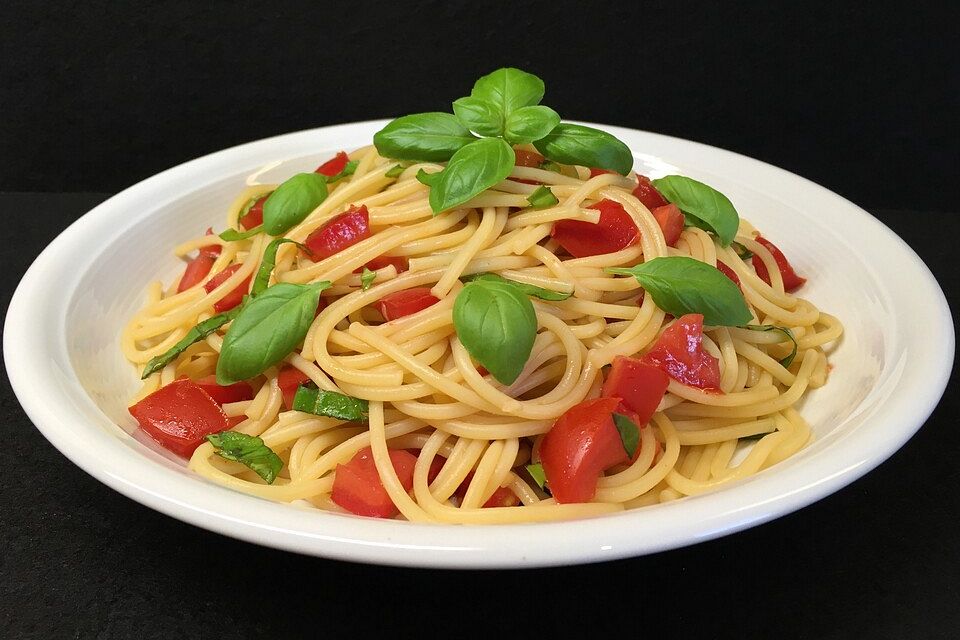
x: 403, y: 303
x: 646, y: 193
x: 254, y: 215
x: 236, y: 392
x: 615, y: 231
x: 321, y: 305
x: 179, y: 416
x: 502, y: 497
x: 399, y: 263
x: 526, y: 158
x: 670, y: 219
x: 357, y: 487
x: 580, y: 445
x: 727, y: 271
x: 343, y: 231
x: 288, y: 380
x: 211, y: 249
x: 233, y: 421
x: 195, y: 271
x: 233, y: 298
x: 594, y: 172
x: 791, y: 281
x: 679, y: 352
x: 334, y: 165
x: 639, y: 385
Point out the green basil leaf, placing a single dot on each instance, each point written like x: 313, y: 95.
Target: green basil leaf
x: 497, y: 325
x: 528, y: 289
x: 428, y: 179
x: 479, y: 115
x: 681, y: 285
x: 330, y: 403
x: 509, y: 89
x: 262, y: 281
x: 232, y: 235
x: 427, y: 137
x: 367, y: 278
x: 542, y: 198
x: 267, y: 330
x: 786, y: 362
x: 536, y: 472
x: 527, y: 124
x: 196, y: 334
x: 576, y: 144
x: 472, y: 170
x: 293, y: 201
x: 248, y: 450
x: 757, y: 436
x: 629, y: 433
x: 550, y: 165
x: 702, y: 202
x: 744, y: 253
x: 348, y: 170
x: 395, y: 171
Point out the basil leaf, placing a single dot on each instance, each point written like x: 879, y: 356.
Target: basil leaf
x: 702, y: 202
x: 367, y: 278
x: 429, y: 137
x: 232, y: 235
x: 742, y: 251
x: 196, y: 334
x: 293, y: 201
x: 473, y: 169
x: 330, y: 403
x: 267, y: 330
x: 428, y: 179
x: 527, y: 124
x: 550, y: 165
x: 536, y: 472
x: 528, y: 289
x: 348, y: 170
x: 509, y: 89
x: 248, y: 450
x: 497, y: 325
x: 262, y: 281
x: 786, y: 362
x: 479, y: 115
x: 629, y: 433
x: 542, y: 198
x: 681, y: 285
x: 576, y: 144
x: 395, y: 171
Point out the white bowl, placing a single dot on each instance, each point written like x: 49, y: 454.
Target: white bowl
x: 61, y: 344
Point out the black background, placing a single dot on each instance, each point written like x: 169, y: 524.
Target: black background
x: 95, y: 96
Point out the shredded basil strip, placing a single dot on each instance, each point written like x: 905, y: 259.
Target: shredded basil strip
x: 262, y: 281
x: 367, y: 278
x: 320, y: 402
x: 536, y: 472
x: 542, y: 198
x: 742, y: 251
x: 550, y: 165
x: 247, y: 450
x: 528, y: 289
x: 395, y: 171
x: 629, y: 433
x: 232, y: 235
x: 348, y: 170
x: 196, y: 334
x: 757, y: 436
x: 786, y: 362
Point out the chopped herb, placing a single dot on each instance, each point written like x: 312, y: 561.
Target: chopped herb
x: 330, y: 403
x: 742, y: 251
x: 348, y: 170
x: 248, y: 450
x: 786, y: 362
x: 395, y: 171
x: 232, y: 235
x: 367, y: 278
x: 536, y: 472
x: 528, y: 289
x: 196, y: 334
x: 542, y: 198
x: 629, y: 433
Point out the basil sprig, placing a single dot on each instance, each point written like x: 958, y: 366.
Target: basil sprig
x: 497, y: 325
x: 629, y: 433
x: 269, y: 261
x: 248, y: 450
x: 320, y: 402
x: 586, y: 146
x: 292, y: 201
x: 681, y: 285
x: 479, y: 115
x: 270, y: 326
x: 196, y: 334
x: 702, y: 205
x: 473, y: 169
x: 786, y: 362
x: 527, y: 289
x: 509, y: 89
x: 542, y: 198
x: 536, y: 472
x: 232, y: 235
x: 422, y: 137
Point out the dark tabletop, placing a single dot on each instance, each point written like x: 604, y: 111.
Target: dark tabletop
x: 878, y: 559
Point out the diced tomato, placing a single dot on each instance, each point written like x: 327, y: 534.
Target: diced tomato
x: 482, y: 370
x: 436, y: 465
x: 670, y: 219
x: 236, y: 392
x: 727, y: 271
x: 679, y: 352
x: 639, y: 385
x: 403, y: 303
x: 321, y: 305
x: 615, y: 231
x: 594, y: 172
x: 179, y: 416
x: 195, y: 271
x: 233, y: 298
x: 399, y: 263
x: 233, y: 421
x: 334, y: 165
x: 502, y: 497
x: 357, y: 487
x: 254, y: 215
x: 580, y: 445
x: 211, y: 249
x: 343, y: 231
x: 526, y: 158
x: 288, y: 380
x: 646, y: 193
x: 791, y: 280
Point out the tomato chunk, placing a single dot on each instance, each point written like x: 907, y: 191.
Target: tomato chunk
x: 233, y: 298
x: 236, y: 392
x: 502, y: 497
x: 179, y: 416
x: 341, y: 232
x: 403, y: 303
x: 727, y: 271
x: 334, y: 165
x: 646, y: 193
x: 639, y: 385
x: 254, y: 215
x: 615, y: 231
x: 670, y: 219
x: 594, y: 172
x: 357, y: 487
x: 526, y: 158
x: 211, y: 249
x: 400, y: 263
x: 580, y: 445
x: 679, y: 352
x: 288, y: 380
x: 195, y: 271
x: 791, y: 281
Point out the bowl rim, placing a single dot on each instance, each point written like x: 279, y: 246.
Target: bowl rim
x: 925, y: 370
